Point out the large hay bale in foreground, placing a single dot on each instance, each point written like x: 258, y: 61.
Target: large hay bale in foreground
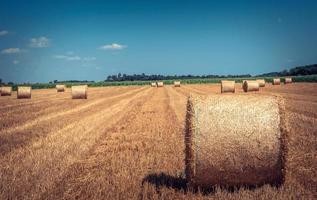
x: 24, y: 92
x: 6, y: 90
x: 276, y: 81
x: 153, y: 84
x: 288, y: 80
x: 79, y: 92
x: 261, y: 82
x: 60, y: 88
x: 234, y: 141
x: 250, y: 85
x: 177, y: 83
x: 227, y: 86
x: 160, y: 84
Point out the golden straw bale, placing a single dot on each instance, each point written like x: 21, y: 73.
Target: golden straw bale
x: 160, y: 84
x: 261, y: 82
x: 227, y: 86
x: 153, y: 84
x: 79, y: 92
x: 250, y: 85
x: 276, y: 81
x: 177, y: 83
x: 24, y: 92
x: 234, y: 141
x: 60, y: 88
x: 6, y: 90
x: 288, y: 80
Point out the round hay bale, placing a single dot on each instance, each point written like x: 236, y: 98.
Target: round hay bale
x: 79, y: 92
x: 276, y: 81
x: 261, y: 82
x: 234, y: 141
x: 60, y: 88
x: 160, y: 84
x: 227, y: 86
x: 288, y: 80
x: 6, y: 90
x: 177, y: 83
x: 250, y: 85
x: 24, y: 92
x: 153, y: 84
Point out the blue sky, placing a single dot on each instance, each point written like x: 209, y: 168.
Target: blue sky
x: 47, y: 40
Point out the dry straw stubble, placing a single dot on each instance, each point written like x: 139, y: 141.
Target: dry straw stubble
x: 24, y: 92
x: 227, y: 86
x: 234, y: 141
x: 250, y: 85
x: 6, y: 90
x: 79, y: 92
x: 60, y: 88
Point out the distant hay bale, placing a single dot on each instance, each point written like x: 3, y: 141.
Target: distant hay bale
x: 276, y: 81
x: 160, y: 84
x: 24, y: 92
x: 261, y: 82
x: 153, y: 84
x: 250, y: 85
x: 288, y: 80
x: 234, y: 141
x: 177, y: 83
x: 6, y: 90
x: 227, y: 86
x: 60, y: 88
x: 79, y: 92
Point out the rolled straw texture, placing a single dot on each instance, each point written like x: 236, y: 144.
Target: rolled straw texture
x: 177, y: 83
x: 276, y: 81
x: 60, y: 88
x: 153, y: 84
x: 160, y: 84
x: 79, y: 92
x: 250, y: 85
x: 261, y: 82
x: 234, y: 141
x: 288, y: 80
x: 24, y: 92
x: 6, y: 90
x: 228, y: 86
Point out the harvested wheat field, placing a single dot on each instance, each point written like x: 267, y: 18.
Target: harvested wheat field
x: 128, y: 143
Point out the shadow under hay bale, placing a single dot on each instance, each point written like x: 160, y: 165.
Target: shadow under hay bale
x: 5, y: 91
x: 79, y: 92
x: 227, y: 86
x: 234, y: 142
x: 24, y: 92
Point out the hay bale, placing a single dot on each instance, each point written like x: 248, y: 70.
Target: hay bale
x: 288, y: 80
x: 250, y: 85
x: 276, y: 81
x: 177, y: 83
x: 261, y: 82
x: 160, y: 84
x: 153, y: 84
x: 60, y: 88
x: 79, y: 92
x: 227, y: 86
x: 234, y: 141
x: 6, y: 90
x: 24, y: 92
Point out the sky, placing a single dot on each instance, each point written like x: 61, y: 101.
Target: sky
x: 41, y: 41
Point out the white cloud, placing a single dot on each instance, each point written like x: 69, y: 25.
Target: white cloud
x: 113, y: 46
x: 15, y: 62
x: 40, y: 42
x: 68, y: 58
x: 4, y: 32
x: 11, y: 51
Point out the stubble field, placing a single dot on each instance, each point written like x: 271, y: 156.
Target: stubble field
x: 128, y: 143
